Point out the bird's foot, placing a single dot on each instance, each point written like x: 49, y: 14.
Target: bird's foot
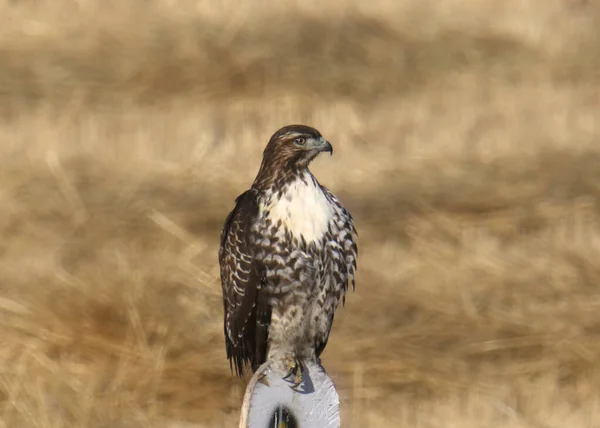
x: 295, y: 368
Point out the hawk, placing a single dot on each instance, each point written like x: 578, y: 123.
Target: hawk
x: 287, y: 255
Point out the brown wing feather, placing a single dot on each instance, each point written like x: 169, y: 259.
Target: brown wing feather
x: 344, y: 244
x: 346, y: 238
x: 246, y: 311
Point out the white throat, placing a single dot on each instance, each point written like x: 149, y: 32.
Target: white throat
x: 303, y: 209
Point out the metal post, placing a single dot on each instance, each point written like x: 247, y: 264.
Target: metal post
x: 272, y: 401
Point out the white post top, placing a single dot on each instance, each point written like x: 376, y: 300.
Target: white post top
x: 272, y: 402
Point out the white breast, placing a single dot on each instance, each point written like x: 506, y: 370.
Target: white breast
x: 303, y: 209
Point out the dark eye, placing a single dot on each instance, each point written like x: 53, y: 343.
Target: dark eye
x: 300, y: 141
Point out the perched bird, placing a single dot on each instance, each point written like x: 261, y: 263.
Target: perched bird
x: 287, y: 254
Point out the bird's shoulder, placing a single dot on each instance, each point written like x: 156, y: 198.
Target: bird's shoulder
x: 243, y: 214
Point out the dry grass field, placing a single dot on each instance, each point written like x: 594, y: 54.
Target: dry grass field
x: 467, y: 147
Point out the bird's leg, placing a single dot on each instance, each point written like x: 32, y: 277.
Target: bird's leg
x: 295, y: 368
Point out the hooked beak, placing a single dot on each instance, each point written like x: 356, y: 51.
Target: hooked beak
x: 318, y: 145
x: 326, y: 146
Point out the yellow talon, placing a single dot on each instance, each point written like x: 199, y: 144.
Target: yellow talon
x: 295, y: 369
x: 298, y: 378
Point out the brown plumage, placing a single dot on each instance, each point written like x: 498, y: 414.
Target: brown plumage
x: 288, y: 251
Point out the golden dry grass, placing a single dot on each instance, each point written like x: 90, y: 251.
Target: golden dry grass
x: 466, y: 143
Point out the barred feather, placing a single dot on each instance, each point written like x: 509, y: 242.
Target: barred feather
x: 288, y: 254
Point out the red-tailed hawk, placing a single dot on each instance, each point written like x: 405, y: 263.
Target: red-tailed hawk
x: 288, y: 252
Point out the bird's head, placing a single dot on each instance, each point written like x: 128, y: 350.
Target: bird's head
x: 297, y: 145
x: 292, y: 148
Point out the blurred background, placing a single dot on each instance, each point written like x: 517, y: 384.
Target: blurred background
x: 466, y: 136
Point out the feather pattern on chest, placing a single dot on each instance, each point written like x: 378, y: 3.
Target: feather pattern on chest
x: 288, y: 254
x: 302, y: 207
x: 306, y: 240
